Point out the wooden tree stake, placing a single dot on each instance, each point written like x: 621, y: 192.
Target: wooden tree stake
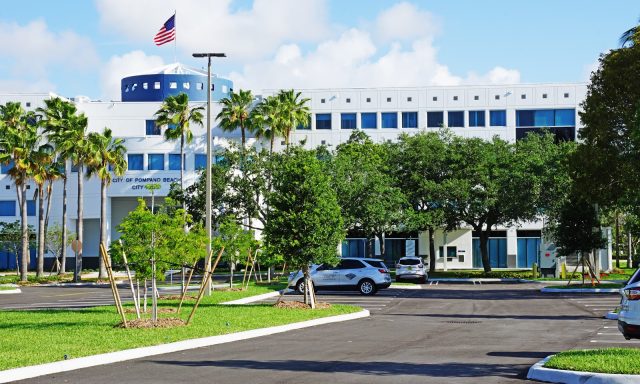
x: 207, y: 276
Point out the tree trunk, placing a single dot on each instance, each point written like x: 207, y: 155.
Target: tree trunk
x: 79, y: 223
x: 244, y: 138
x: 629, y: 253
x: 617, y: 240
x: 182, y: 166
x: 40, y: 263
x: 24, y: 262
x: 305, y: 272
x: 272, y: 141
x: 46, y: 216
x: 432, y: 250
x: 63, y: 252
x: 383, y: 250
x: 484, y: 250
x: 102, y: 273
x: 231, y: 268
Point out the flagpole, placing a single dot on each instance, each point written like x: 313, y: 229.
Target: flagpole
x: 175, y: 40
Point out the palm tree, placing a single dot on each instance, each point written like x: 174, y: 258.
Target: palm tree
x: 41, y: 173
x: 631, y: 36
x: 106, y: 155
x: 235, y: 113
x: 19, y: 141
x: 57, y: 124
x: 177, y: 116
x: 294, y: 111
x: 266, y: 120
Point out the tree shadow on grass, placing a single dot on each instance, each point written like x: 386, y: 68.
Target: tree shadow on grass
x: 373, y: 368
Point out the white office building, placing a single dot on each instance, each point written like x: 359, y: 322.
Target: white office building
x: 383, y: 113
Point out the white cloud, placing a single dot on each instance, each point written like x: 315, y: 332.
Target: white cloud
x: 123, y: 66
x: 33, y: 48
x: 497, y: 75
x: 405, y: 21
x: 213, y: 26
x: 588, y: 69
x: 22, y: 86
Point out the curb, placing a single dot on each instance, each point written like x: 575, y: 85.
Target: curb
x: 580, y: 290
x: 539, y: 372
x: 473, y: 281
x: 16, y: 289
x: 136, y: 353
x: 416, y: 286
x: 252, y: 299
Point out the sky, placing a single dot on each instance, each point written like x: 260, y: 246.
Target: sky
x: 82, y: 47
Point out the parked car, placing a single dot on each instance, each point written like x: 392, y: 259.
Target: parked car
x: 629, y: 315
x: 359, y: 274
x: 411, y: 268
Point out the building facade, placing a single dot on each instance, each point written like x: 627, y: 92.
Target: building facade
x: 383, y: 113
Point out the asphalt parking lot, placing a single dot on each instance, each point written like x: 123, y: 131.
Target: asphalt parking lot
x: 445, y: 333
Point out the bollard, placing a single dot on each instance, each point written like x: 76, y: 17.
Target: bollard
x: 563, y: 271
x: 534, y: 270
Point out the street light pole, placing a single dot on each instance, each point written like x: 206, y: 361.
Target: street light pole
x: 208, y: 168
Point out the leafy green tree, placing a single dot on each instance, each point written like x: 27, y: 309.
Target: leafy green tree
x: 11, y: 239
x: 266, y: 118
x: 631, y: 36
x: 292, y: 112
x: 107, y: 157
x: 42, y: 170
x: 305, y: 225
x: 370, y: 202
x: 236, y: 113
x: 421, y: 163
x: 19, y: 144
x: 237, y: 243
x: 177, y: 116
x: 58, y: 118
x: 54, y: 243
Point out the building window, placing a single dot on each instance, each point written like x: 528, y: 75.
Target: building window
x: 348, y: 100
x: 389, y: 120
x: 156, y: 85
x: 31, y: 208
x: 455, y: 98
x: 409, y: 99
x: 368, y: 99
x: 186, y: 85
x: 497, y: 97
x: 476, y: 97
x: 323, y: 142
x: 523, y: 96
x: 498, y: 118
x: 323, y: 121
x: 409, y: 119
x: 219, y: 159
x: 173, y: 85
x: 152, y: 128
x: 368, y: 120
x: 322, y: 101
x: 174, y: 162
x: 476, y: 119
x: 435, y: 119
x: 213, y: 87
x: 28, y: 103
x: 348, y: 120
x: 200, y: 161
x: 199, y: 86
x: 566, y: 95
x: 546, y: 118
x: 388, y: 99
x: 145, y: 85
x: 7, y: 207
x: 135, y: 162
x: 155, y: 162
x: 435, y: 98
x: 456, y: 119
x: 544, y: 95
x: 5, y: 168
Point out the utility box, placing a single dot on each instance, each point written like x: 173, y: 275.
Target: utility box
x: 548, y: 259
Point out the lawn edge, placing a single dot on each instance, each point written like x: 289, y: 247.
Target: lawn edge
x: 580, y: 290
x: 32, y: 371
x: 10, y: 291
x: 539, y: 372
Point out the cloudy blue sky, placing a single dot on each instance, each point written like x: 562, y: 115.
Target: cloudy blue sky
x: 84, y: 47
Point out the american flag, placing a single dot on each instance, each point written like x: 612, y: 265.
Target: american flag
x: 167, y: 33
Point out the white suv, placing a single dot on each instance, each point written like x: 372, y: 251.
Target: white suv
x: 364, y: 275
x: 629, y: 315
x: 411, y: 268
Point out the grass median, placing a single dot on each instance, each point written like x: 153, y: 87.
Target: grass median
x: 36, y: 337
x: 607, y: 360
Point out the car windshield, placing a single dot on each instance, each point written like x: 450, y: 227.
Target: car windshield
x: 409, y: 261
x: 376, y: 264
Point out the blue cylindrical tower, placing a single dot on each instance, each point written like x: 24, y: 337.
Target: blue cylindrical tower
x: 173, y: 80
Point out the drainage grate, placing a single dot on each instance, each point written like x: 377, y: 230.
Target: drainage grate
x: 463, y: 322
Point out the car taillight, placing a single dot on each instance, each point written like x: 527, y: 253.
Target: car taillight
x: 383, y: 270
x: 632, y: 294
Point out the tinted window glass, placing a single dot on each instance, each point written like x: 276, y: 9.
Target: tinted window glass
x: 135, y: 162
x: 323, y: 121
x: 409, y: 119
x: 350, y: 264
x: 152, y: 128
x: 348, y: 120
x: 476, y: 118
x: 368, y: 120
x: 389, y: 120
x: 435, y: 119
x: 409, y: 262
x: 498, y: 118
x: 456, y: 119
x: 376, y: 264
x: 155, y: 162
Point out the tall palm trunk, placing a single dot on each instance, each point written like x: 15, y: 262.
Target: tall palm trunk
x: 24, y: 262
x: 47, y: 213
x: 272, y: 141
x: 40, y: 263
x: 242, y: 132
x: 63, y: 253
x: 79, y: 223
x: 103, y: 226
x: 182, y: 166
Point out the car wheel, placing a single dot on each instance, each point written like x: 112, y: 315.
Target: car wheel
x: 367, y: 287
x: 300, y: 286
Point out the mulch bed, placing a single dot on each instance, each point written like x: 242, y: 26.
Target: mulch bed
x: 160, y: 310
x: 169, y: 322
x: 301, y: 305
x: 177, y: 297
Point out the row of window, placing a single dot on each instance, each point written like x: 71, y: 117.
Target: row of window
x: 9, y: 208
x: 172, y: 85
x: 546, y: 118
x: 369, y: 120
x: 455, y: 98
x: 156, y: 161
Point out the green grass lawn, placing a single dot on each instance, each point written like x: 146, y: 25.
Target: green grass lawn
x: 609, y: 360
x: 6, y: 288
x: 586, y: 285
x: 35, y: 337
